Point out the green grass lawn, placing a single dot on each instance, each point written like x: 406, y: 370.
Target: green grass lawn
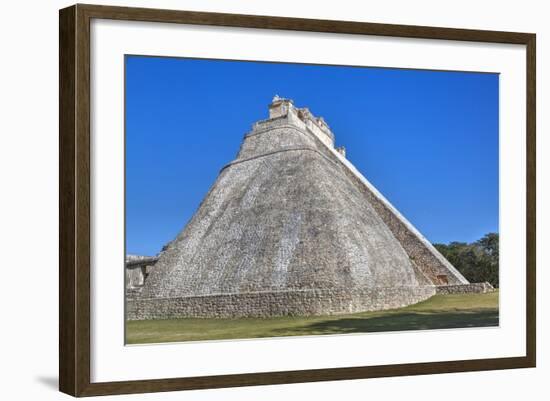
x: 438, y: 312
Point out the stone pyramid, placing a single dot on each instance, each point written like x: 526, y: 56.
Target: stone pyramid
x: 290, y: 227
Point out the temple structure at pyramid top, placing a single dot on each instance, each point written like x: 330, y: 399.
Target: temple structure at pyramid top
x: 291, y: 227
x: 301, y: 117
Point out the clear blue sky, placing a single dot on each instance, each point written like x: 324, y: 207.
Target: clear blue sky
x: 427, y: 140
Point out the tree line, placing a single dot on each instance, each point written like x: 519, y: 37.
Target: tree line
x: 477, y: 261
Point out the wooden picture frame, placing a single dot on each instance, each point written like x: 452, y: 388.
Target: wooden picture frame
x: 74, y: 200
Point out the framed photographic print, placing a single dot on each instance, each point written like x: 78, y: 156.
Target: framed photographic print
x: 313, y: 200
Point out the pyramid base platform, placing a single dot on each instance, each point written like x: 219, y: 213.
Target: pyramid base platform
x: 309, y: 302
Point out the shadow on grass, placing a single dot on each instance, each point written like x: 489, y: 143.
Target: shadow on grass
x: 397, y: 322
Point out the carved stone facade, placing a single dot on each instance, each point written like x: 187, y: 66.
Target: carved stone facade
x: 138, y: 269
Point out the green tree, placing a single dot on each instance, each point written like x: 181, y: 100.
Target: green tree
x: 477, y: 261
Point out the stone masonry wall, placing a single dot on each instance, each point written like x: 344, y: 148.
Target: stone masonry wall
x: 473, y: 288
x: 280, y: 303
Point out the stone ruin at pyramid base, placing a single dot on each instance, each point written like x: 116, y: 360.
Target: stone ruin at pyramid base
x: 291, y: 228
x: 291, y: 303
x: 285, y: 303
